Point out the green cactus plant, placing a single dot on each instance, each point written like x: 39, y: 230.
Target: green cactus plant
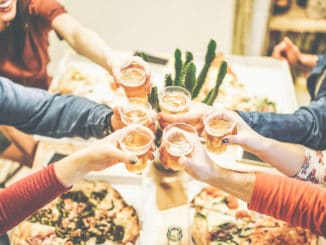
x: 190, y: 76
x: 189, y: 57
x: 153, y: 99
x: 211, y: 96
x: 168, y: 80
x: 210, y: 55
x: 177, y: 67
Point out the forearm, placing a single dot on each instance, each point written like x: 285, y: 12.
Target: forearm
x: 308, y: 60
x: 238, y: 184
x: 26, y: 196
x: 87, y: 43
x: 297, y: 202
x: 73, y: 167
x: 38, y: 112
x: 287, y: 158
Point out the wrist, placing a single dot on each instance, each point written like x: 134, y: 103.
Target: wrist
x: 308, y: 60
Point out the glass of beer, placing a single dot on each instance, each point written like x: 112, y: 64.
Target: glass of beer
x: 174, y: 99
x: 179, y: 140
x: 215, y: 129
x: 135, y: 111
x: 133, y: 78
x: 137, y: 140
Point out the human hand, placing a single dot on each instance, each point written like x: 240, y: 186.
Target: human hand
x: 117, y: 123
x: 140, y: 91
x: 192, y: 117
x: 287, y: 50
x: 199, y: 165
x: 243, y: 134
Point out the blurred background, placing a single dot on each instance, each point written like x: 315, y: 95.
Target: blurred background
x: 240, y: 27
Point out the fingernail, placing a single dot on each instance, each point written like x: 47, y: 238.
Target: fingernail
x: 202, y: 140
x: 133, y: 159
x: 225, y: 141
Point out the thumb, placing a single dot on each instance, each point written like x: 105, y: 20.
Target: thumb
x: 118, y: 155
x: 288, y: 42
x: 232, y: 139
x: 184, y: 161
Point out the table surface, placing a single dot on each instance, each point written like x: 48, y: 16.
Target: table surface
x: 248, y: 69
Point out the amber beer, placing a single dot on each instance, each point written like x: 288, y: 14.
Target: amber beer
x: 135, y: 111
x: 174, y: 100
x: 179, y: 140
x: 137, y: 140
x: 215, y: 129
x: 133, y: 78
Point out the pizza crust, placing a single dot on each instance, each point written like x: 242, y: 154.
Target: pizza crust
x: 217, y: 220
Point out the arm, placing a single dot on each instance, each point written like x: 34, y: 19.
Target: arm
x: 297, y: 202
x: 306, y: 126
x: 291, y: 159
x: 87, y: 43
x: 38, y: 112
x: 26, y: 196
x: 287, y: 50
x: 84, y: 41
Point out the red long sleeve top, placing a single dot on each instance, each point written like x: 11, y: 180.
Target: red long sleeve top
x: 23, y: 198
x: 296, y: 202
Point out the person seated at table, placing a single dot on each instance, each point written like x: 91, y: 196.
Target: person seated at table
x: 296, y: 202
x: 24, y: 29
x: 39, y: 112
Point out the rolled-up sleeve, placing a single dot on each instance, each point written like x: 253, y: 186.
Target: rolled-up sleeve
x: 46, y: 10
x: 39, y: 112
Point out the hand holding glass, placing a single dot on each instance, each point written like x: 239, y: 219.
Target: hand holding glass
x: 137, y: 140
x: 215, y: 129
x: 178, y: 140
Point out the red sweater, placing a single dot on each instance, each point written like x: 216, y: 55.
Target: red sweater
x: 23, y: 198
x: 297, y: 202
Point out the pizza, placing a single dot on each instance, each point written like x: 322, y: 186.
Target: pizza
x: 93, y: 212
x: 222, y: 219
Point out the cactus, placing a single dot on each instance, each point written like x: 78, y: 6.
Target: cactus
x: 168, y: 80
x: 190, y: 76
x: 153, y: 99
x: 207, y: 96
x: 210, y: 55
x: 211, y: 97
x: 178, y: 67
x: 189, y: 57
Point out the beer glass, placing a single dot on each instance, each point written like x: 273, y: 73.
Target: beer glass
x: 179, y: 140
x: 215, y: 129
x: 137, y: 140
x: 174, y: 99
x: 133, y: 78
x: 135, y: 111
